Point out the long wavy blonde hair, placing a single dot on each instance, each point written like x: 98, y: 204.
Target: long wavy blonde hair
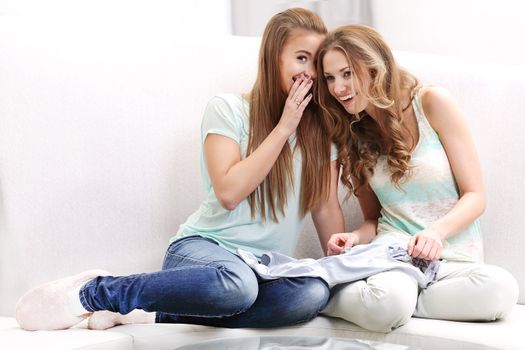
x: 266, y: 106
x: 361, y: 138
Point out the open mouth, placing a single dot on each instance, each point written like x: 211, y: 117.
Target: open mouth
x: 346, y: 100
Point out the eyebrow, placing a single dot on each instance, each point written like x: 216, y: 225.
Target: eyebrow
x: 340, y: 70
x: 304, y: 51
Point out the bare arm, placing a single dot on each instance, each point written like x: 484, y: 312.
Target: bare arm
x: 328, y: 216
x: 371, y: 209
x: 448, y: 121
x: 234, y: 179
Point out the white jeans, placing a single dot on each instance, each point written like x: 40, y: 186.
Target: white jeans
x: 462, y: 292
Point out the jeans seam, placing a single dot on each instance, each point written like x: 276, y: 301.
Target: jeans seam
x: 240, y: 311
x: 237, y: 312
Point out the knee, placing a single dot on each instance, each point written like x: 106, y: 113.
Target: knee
x: 315, y: 294
x: 309, y: 297
x: 380, y: 304
x: 236, y: 290
x: 389, y: 307
x: 498, y: 289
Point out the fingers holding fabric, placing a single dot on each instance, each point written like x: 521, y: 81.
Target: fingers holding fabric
x: 426, y: 245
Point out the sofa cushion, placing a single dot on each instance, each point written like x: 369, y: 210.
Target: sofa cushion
x: 418, y: 333
x: 13, y: 337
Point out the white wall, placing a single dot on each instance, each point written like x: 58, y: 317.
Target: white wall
x: 176, y: 18
x: 250, y: 16
x: 110, y: 63
x: 486, y: 29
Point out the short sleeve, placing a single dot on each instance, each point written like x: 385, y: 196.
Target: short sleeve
x: 333, y: 152
x: 219, y: 118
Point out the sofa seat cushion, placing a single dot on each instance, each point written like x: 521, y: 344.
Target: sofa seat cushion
x: 13, y: 337
x: 418, y: 333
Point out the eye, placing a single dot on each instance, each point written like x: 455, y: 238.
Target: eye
x: 328, y: 78
x: 302, y: 58
x: 347, y: 74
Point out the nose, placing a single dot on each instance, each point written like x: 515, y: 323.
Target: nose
x: 339, y: 86
x: 311, y: 71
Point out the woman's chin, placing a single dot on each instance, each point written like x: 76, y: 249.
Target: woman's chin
x: 349, y: 109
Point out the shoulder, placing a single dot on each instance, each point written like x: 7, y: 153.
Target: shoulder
x: 226, y: 114
x: 229, y: 106
x: 230, y: 101
x: 434, y: 98
x: 440, y: 107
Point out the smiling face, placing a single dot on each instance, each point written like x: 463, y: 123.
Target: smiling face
x: 297, y: 57
x: 342, y: 83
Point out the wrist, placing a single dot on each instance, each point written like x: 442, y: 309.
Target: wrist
x: 438, y: 233
x: 283, y: 131
x: 357, y: 237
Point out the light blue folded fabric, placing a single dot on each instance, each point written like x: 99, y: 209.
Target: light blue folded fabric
x: 357, y: 263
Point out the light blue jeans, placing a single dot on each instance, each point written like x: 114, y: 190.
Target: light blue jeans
x: 203, y: 283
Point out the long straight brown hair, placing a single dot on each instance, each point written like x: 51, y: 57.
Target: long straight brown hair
x: 266, y: 106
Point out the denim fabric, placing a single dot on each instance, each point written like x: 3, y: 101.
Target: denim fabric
x: 202, y: 283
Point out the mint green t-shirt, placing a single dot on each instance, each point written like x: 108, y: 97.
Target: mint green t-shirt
x: 227, y: 115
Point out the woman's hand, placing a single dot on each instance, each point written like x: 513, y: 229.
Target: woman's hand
x: 340, y: 242
x: 426, y: 245
x: 295, y: 104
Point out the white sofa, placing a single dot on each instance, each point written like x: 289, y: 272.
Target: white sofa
x: 99, y: 147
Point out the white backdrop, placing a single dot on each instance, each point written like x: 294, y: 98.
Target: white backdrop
x: 482, y: 29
